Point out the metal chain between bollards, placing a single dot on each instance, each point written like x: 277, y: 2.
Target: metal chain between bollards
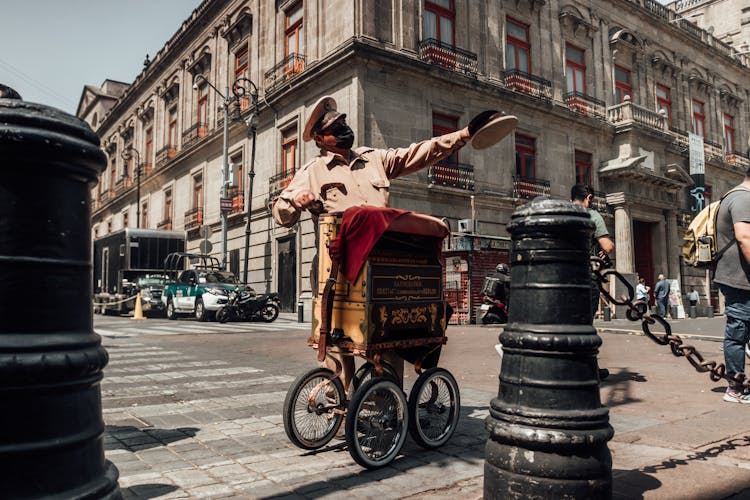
x: 638, y: 311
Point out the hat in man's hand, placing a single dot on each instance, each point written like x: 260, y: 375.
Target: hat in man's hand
x: 323, y: 114
x: 490, y: 127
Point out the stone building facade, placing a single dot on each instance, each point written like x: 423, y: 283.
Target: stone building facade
x: 727, y: 20
x: 605, y: 92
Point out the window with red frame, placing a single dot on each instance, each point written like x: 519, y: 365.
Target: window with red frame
x: 128, y: 167
x: 241, y: 69
x: 144, y: 215
x: 149, y: 149
x: 202, y: 117
x: 289, y: 150
x: 112, y: 172
x: 517, y: 46
x: 728, y: 133
x: 439, y: 20
x: 583, y: 167
x: 445, y: 124
x: 168, y: 205
x: 293, y: 31
x: 198, y: 191
x: 663, y: 101
x: 125, y: 219
x: 525, y: 156
x: 575, y: 69
x: 172, y: 128
x: 239, y: 172
x: 699, y: 118
x: 622, y: 84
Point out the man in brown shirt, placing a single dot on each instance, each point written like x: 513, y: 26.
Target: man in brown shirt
x: 341, y: 177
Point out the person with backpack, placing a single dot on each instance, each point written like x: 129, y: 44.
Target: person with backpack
x: 601, y: 243
x: 733, y: 279
x: 661, y: 291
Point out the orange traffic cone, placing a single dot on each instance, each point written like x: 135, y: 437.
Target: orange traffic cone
x: 138, y: 313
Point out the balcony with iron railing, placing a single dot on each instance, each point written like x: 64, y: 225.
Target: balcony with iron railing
x: 454, y: 175
x: 627, y: 113
x: 585, y: 104
x: 194, y: 133
x: 193, y: 218
x: 525, y: 83
x: 165, y: 154
x: 527, y: 188
x: 120, y: 185
x: 104, y: 197
x: 238, y: 199
x: 166, y: 224
x: 277, y: 183
x: 289, y: 68
x: 435, y: 52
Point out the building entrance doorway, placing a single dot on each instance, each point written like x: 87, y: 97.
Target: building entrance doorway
x: 287, y: 274
x: 644, y: 254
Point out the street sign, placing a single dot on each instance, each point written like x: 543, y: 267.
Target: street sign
x: 206, y: 247
x: 226, y: 204
x: 205, y: 231
x: 697, y: 162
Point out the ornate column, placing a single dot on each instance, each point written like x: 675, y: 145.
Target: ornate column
x: 625, y: 256
x: 673, y: 244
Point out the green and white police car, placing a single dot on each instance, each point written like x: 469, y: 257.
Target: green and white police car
x: 199, y: 292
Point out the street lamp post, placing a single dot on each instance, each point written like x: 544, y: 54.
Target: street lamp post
x: 242, y: 87
x: 127, y: 155
x: 226, y: 101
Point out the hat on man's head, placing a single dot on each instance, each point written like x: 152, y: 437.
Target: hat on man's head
x: 322, y: 115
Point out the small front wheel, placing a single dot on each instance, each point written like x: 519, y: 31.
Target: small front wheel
x: 269, y: 312
x: 434, y: 406
x: 376, y: 423
x: 312, y: 424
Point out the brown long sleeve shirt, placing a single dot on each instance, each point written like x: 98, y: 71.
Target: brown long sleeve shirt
x: 364, y: 180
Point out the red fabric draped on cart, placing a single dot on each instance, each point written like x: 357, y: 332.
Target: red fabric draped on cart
x: 361, y: 228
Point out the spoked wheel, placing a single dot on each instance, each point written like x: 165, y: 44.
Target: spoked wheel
x: 376, y: 423
x: 269, y: 313
x: 367, y: 372
x: 313, y: 426
x: 434, y: 408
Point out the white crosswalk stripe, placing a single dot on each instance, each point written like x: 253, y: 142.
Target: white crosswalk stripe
x: 169, y: 376
x: 120, y: 329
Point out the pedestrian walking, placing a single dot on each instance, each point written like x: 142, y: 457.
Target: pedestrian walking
x: 693, y: 297
x: 641, y: 290
x: 661, y: 291
x: 601, y: 243
x: 733, y: 278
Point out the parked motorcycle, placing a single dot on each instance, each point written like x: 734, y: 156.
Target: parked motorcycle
x: 493, y: 311
x: 495, y: 294
x: 244, y: 305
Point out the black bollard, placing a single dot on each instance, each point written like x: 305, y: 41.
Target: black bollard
x: 51, y: 361
x: 548, y: 428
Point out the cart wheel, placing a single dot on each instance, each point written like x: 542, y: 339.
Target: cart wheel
x: 312, y: 427
x: 434, y: 407
x: 366, y: 372
x: 376, y: 423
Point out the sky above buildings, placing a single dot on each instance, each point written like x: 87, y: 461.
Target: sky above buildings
x: 50, y: 49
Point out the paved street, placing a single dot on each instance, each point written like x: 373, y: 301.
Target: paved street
x: 193, y: 410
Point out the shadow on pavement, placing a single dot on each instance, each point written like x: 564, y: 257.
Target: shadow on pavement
x: 616, y: 388
x: 149, y: 490
x: 131, y: 438
x: 465, y: 447
x: 632, y: 484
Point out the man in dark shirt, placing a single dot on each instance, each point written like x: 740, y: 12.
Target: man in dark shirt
x: 733, y: 278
